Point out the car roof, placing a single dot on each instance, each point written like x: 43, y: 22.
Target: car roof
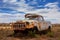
x: 32, y: 15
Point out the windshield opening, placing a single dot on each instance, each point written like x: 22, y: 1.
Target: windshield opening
x: 37, y: 18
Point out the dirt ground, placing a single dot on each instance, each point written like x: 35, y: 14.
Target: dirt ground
x: 54, y: 35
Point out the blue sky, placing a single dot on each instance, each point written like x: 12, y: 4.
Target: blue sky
x: 13, y: 10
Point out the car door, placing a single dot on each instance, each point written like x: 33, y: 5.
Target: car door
x: 43, y: 25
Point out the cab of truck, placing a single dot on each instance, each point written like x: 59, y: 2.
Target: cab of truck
x: 34, y: 17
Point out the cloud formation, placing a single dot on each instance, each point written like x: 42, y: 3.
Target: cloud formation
x: 50, y: 11
x: 6, y: 18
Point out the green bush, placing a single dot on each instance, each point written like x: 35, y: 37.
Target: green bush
x: 50, y: 34
x: 32, y: 34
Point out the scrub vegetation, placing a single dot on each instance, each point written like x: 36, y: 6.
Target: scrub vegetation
x: 8, y: 34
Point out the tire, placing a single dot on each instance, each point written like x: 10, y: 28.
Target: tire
x: 35, y: 30
x: 49, y: 29
x: 32, y: 32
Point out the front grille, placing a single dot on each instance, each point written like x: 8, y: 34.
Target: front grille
x: 19, y: 25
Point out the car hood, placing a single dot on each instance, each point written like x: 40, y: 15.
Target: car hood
x: 28, y: 20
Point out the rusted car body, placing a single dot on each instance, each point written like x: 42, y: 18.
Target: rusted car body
x: 32, y: 21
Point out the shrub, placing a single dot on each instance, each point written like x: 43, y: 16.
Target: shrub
x: 50, y: 34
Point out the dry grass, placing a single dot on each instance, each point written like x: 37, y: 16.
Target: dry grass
x: 54, y: 35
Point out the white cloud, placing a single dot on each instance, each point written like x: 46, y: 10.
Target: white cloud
x: 6, y: 18
x: 51, y: 13
x: 52, y: 5
x: 10, y: 1
x: 22, y: 6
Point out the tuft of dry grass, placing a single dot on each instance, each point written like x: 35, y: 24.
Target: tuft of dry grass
x: 5, y: 33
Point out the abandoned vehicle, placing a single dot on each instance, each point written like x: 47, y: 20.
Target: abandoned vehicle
x: 32, y: 22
